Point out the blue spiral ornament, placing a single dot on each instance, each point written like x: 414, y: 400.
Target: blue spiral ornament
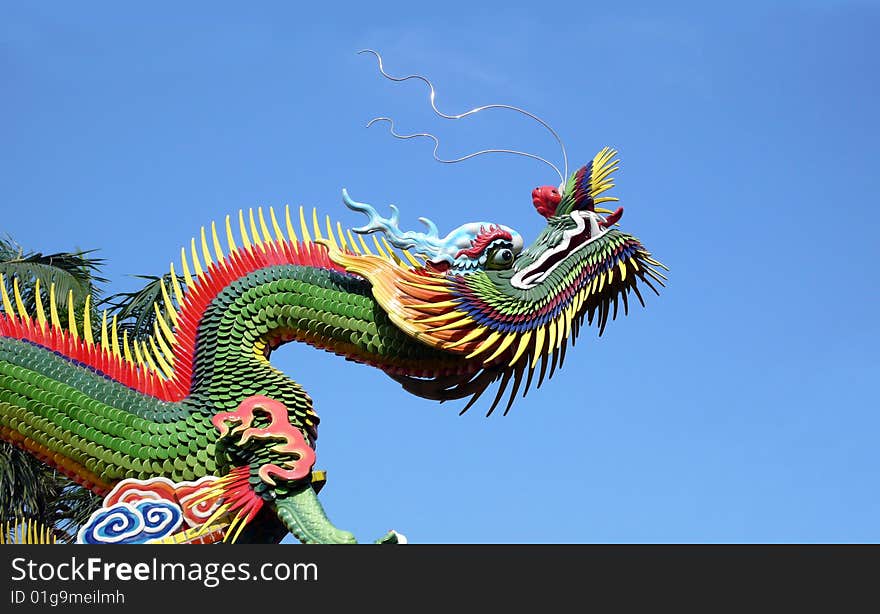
x: 125, y: 523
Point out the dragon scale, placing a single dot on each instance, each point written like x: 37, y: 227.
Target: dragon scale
x: 199, y: 404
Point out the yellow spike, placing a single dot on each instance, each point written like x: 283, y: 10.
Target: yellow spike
x: 22, y: 312
x: 163, y: 325
x: 187, y: 278
x: 279, y: 236
x: 241, y: 526
x: 315, y: 225
x: 412, y: 260
x: 364, y: 245
x: 126, y: 350
x: 291, y: 233
x: 38, y: 299
x: 444, y: 317
x: 71, y: 315
x: 105, y: 343
x: 87, y: 321
x: 354, y: 246
x: 206, y: 253
x: 197, y: 265
x: 267, y: 238
x: 137, y: 351
x: 539, y: 345
x: 440, y: 305
x: 254, y: 232
x: 218, y: 251
x: 551, y: 336
x: 230, y: 237
x: 163, y: 366
x: 307, y: 238
x: 167, y: 353
x: 342, y: 241
x: 169, y: 306
x: 466, y: 321
x: 479, y: 330
x: 379, y: 249
x: 505, y: 343
x: 53, y: 308
x: 622, y: 267
x: 523, y: 344
x: 115, y: 338
x: 175, y: 286
x: 601, y: 281
x: 568, y: 313
x: 245, y: 239
x: 330, y: 234
x: 7, y: 304
x: 610, y: 276
x: 392, y: 253
x: 487, y: 344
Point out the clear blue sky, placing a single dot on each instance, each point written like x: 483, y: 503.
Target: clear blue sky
x: 739, y: 406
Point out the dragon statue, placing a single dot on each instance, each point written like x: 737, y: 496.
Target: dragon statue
x: 191, y: 435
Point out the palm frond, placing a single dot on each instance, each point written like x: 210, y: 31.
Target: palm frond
x: 134, y: 310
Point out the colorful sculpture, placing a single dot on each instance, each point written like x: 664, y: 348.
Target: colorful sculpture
x: 194, y: 436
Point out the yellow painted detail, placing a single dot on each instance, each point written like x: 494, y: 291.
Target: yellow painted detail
x: 279, y: 235
x: 38, y: 299
x: 71, y: 315
x: 351, y: 241
x: 105, y: 343
x: 160, y: 361
x: 245, y: 239
x: 523, y: 345
x: 230, y: 237
x: 307, y: 238
x: 87, y: 320
x: 187, y: 278
x: 197, y: 265
x: 465, y: 321
x: 169, y: 306
x: 364, y: 245
x: 291, y: 233
x: 115, y: 332
x: 487, y: 344
x: 478, y: 331
x: 267, y: 238
x: 218, y: 249
x: 540, y: 336
x: 7, y: 304
x: 508, y: 339
x: 22, y: 312
x: 126, y: 351
x: 412, y: 260
x: 175, y: 286
x: 315, y: 225
x: 163, y: 325
x: 255, y: 234
x: 206, y: 253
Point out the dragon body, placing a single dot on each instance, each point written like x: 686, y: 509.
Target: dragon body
x: 198, y: 407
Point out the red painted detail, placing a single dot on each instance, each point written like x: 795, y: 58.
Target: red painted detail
x: 545, y: 199
x: 438, y: 267
x: 484, y: 239
x: 291, y: 441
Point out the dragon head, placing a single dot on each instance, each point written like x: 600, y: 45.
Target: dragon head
x: 501, y: 308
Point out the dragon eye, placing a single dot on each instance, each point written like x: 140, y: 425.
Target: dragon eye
x: 500, y: 258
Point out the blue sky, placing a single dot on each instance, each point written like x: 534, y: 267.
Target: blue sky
x: 738, y: 407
